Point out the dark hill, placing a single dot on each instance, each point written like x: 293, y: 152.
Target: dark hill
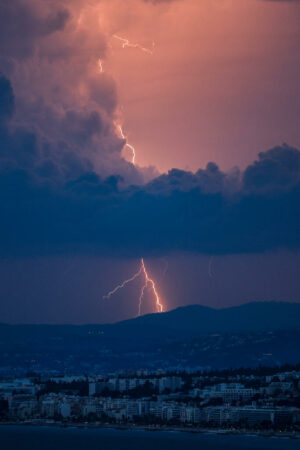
x: 193, y: 336
x: 197, y: 319
x: 187, y: 320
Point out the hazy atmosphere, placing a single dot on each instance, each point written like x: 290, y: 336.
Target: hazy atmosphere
x: 162, y: 130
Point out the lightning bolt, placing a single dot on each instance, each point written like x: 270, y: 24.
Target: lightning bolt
x: 127, y: 43
x: 147, y: 282
x: 122, y: 285
x: 131, y: 148
x: 118, y: 126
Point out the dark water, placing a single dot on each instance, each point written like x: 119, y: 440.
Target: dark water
x: 48, y: 438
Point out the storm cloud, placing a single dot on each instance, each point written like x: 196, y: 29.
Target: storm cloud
x: 93, y: 215
x: 209, y: 211
x: 64, y: 184
x: 64, y: 108
x: 22, y: 23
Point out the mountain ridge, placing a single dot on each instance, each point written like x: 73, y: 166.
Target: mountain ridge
x: 192, y: 319
x: 199, y: 319
x: 261, y: 333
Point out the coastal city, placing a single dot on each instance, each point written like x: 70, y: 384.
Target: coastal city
x: 261, y: 399
x: 150, y: 218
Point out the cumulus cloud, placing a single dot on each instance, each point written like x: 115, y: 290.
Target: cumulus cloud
x: 209, y: 211
x: 63, y: 183
x: 23, y: 22
x: 64, y: 108
x: 210, y: 180
x: 7, y: 103
x: 278, y: 168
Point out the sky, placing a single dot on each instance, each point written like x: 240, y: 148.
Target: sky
x: 206, y: 94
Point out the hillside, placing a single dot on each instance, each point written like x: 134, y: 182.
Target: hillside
x: 198, y: 320
x: 195, y: 336
x: 187, y: 320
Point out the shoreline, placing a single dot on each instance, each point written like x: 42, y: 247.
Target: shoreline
x: 153, y: 428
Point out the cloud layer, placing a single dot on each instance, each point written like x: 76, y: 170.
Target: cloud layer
x: 64, y: 184
x: 208, y: 211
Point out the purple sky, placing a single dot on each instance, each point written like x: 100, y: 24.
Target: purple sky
x: 70, y: 290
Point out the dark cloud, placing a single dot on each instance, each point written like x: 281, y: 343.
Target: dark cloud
x: 21, y: 23
x: 277, y: 168
x: 64, y: 185
x: 18, y: 148
x: 208, y: 211
x: 61, y: 110
x: 7, y: 103
x: 210, y: 180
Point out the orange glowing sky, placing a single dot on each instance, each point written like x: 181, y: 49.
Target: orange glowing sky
x: 221, y: 85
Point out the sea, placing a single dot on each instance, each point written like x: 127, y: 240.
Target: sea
x: 54, y: 438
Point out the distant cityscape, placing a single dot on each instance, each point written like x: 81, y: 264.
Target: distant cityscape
x: 189, y: 338
x: 266, y: 399
x: 232, y: 370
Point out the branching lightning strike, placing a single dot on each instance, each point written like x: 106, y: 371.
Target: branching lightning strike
x: 142, y: 270
x: 118, y: 126
x: 122, y: 285
x: 127, y: 43
x: 147, y: 282
x: 131, y: 148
